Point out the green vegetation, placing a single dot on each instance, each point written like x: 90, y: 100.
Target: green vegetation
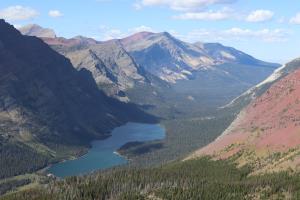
x: 193, y: 179
x: 11, y: 185
x: 183, y: 136
x: 28, y: 160
x: 131, y: 149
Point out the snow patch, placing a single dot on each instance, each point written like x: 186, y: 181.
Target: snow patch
x: 228, y: 55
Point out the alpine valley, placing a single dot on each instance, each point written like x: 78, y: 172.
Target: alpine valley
x: 231, y: 120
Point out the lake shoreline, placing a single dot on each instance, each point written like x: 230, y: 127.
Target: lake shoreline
x: 143, y: 132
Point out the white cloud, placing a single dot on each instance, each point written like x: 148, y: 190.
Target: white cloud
x: 108, y: 33
x: 208, y: 15
x: 17, y: 26
x: 236, y: 34
x: 141, y: 29
x: 260, y: 16
x: 137, y: 6
x: 182, y: 5
x: 55, y: 13
x: 281, y: 20
x: 16, y: 13
x: 112, y: 34
x: 295, y: 19
x: 207, y: 35
x: 267, y: 35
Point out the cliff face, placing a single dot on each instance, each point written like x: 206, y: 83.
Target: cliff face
x: 113, y: 69
x: 266, y: 133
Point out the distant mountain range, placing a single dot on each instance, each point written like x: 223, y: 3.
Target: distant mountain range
x: 265, y: 134
x: 120, y: 64
x: 171, y: 59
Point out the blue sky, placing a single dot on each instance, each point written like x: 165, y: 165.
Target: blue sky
x: 266, y: 29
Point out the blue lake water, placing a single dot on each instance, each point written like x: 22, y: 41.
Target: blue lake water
x: 102, y: 156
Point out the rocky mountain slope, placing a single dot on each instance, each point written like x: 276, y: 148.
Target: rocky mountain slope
x: 46, y: 106
x: 113, y: 69
x: 266, y: 132
x: 171, y: 59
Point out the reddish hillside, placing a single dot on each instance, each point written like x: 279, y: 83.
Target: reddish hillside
x: 69, y: 42
x: 266, y: 133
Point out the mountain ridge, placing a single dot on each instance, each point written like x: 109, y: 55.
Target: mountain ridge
x: 177, y: 59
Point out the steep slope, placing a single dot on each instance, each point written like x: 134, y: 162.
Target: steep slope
x: 46, y: 106
x: 112, y: 67
x: 36, y: 30
x: 266, y: 133
x: 254, y: 92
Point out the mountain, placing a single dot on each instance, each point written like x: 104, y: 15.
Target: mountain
x: 177, y: 78
x: 49, y: 110
x: 171, y: 59
x: 113, y: 69
x: 265, y: 134
x: 164, y: 56
x: 36, y: 30
x: 197, y: 73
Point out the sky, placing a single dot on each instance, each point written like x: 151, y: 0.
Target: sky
x: 266, y: 29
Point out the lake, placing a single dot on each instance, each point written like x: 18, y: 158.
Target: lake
x: 102, y: 153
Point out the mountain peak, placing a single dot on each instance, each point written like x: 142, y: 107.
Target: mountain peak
x: 167, y: 34
x: 135, y: 37
x: 86, y: 40
x: 38, y: 31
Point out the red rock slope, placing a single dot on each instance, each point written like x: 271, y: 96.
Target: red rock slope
x: 266, y: 134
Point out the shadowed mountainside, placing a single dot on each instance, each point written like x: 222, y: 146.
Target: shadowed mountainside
x: 46, y: 106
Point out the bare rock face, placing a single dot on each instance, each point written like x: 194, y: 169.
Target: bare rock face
x: 266, y: 133
x: 171, y: 59
x: 113, y: 69
x: 166, y: 57
x: 38, y: 31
